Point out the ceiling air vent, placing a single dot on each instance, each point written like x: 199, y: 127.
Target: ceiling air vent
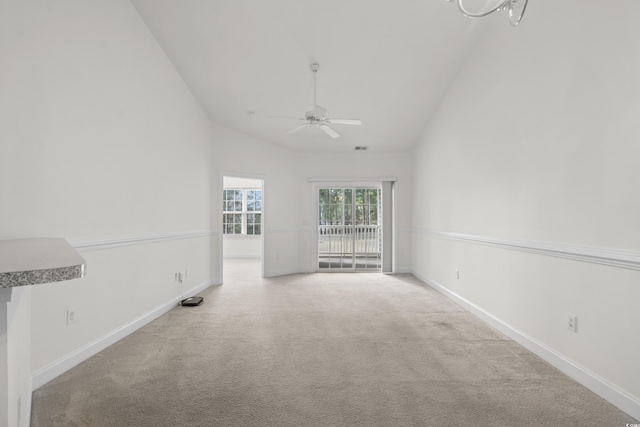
x: 360, y: 148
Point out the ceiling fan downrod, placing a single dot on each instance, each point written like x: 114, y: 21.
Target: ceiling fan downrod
x: 314, y: 67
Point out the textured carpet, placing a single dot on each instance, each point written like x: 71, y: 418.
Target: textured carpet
x: 318, y: 350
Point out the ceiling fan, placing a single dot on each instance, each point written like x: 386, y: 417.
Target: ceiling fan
x: 316, y: 117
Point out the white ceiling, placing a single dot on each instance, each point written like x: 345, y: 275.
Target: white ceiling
x: 385, y: 62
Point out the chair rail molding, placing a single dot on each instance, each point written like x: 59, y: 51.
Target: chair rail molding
x: 596, y: 255
x: 94, y: 244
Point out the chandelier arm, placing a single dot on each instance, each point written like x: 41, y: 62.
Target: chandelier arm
x: 468, y: 14
x: 515, y: 19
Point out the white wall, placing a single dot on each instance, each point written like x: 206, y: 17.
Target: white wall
x: 537, y: 140
x: 242, y: 247
x: 100, y: 139
x: 101, y: 143
x: 237, y: 154
x: 287, y: 192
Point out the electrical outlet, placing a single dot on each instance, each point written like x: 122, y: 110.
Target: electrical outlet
x: 572, y: 323
x: 71, y: 317
x: 457, y: 274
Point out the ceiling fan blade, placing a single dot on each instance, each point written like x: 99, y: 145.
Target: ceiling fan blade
x: 319, y: 112
x: 296, y: 129
x: 344, y: 121
x: 332, y: 133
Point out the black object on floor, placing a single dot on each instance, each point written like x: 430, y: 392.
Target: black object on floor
x: 192, y: 301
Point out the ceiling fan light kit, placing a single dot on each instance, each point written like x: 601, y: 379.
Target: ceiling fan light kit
x: 316, y: 117
x: 515, y: 8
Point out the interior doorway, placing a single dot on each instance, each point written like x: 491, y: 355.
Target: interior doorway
x: 349, y: 228
x: 242, y: 225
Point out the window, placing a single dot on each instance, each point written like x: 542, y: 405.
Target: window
x: 242, y: 212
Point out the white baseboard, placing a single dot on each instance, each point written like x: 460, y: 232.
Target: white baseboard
x: 285, y: 272
x: 62, y: 365
x: 611, y: 393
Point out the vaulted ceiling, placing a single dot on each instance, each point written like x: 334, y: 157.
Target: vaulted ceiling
x: 387, y: 63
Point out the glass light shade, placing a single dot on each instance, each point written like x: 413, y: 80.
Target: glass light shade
x: 515, y: 9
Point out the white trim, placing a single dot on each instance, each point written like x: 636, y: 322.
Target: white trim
x: 27, y: 405
x: 606, y: 256
x: 221, y: 260
x: 242, y: 187
x: 84, y: 245
x: 610, y: 392
x: 265, y: 218
x: 235, y: 174
x: 242, y: 236
x: 287, y: 271
x: 387, y: 228
x: 63, y: 364
x: 351, y: 179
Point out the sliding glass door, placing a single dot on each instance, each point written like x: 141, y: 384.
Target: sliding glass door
x: 349, y: 229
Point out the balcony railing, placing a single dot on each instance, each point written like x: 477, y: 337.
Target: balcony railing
x: 344, y: 240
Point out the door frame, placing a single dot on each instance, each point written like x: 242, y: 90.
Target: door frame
x: 318, y: 183
x: 218, y: 203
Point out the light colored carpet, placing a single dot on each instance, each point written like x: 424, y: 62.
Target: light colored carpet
x: 318, y: 350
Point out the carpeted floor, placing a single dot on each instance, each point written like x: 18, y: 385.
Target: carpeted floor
x: 318, y: 350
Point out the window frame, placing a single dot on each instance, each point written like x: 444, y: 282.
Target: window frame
x: 245, y: 214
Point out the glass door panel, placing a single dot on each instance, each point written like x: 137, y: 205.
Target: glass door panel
x: 349, y: 229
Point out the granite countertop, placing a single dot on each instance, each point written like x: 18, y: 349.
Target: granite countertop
x: 38, y: 260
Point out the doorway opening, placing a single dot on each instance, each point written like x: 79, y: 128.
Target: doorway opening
x: 242, y: 226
